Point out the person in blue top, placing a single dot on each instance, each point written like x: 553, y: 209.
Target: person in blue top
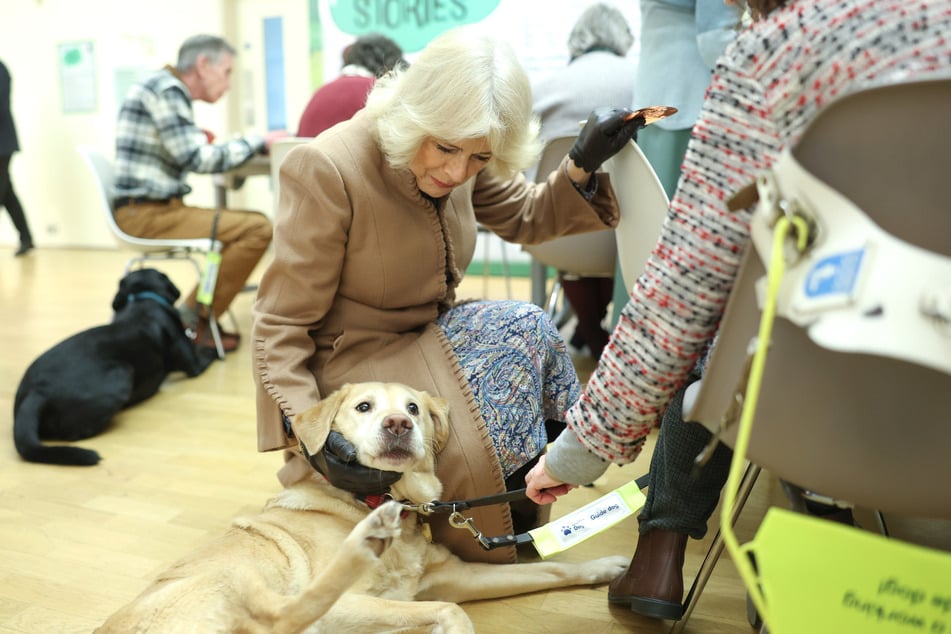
x: 680, y: 41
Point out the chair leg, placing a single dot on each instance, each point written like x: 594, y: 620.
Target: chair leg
x: 505, y: 270
x: 558, y: 315
x: 485, y: 264
x: 716, y: 547
x: 487, y: 236
x: 216, y: 334
x: 552, y: 303
x: 234, y: 321
x: 880, y: 521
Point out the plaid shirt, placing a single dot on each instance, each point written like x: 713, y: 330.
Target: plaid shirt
x: 158, y: 143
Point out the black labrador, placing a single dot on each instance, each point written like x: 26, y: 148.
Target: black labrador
x: 75, y: 389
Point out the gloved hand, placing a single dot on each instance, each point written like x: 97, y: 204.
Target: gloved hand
x: 604, y: 135
x: 337, y: 460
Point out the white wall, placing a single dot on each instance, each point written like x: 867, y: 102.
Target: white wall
x: 137, y: 36
x: 49, y: 176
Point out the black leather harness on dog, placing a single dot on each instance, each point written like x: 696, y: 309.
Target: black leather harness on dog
x: 456, y: 518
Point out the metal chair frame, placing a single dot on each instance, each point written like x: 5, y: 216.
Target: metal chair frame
x: 149, y: 249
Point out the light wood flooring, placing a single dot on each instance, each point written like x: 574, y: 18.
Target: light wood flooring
x: 77, y: 543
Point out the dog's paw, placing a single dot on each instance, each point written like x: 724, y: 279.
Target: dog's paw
x: 378, y: 530
x: 605, y: 569
x: 451, y: 619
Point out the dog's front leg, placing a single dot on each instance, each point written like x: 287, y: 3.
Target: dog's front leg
x: 360, y: 613
x: 358, y: 553
x: 459, y: 581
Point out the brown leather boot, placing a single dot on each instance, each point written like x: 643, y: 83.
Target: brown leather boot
x: 653, y: 584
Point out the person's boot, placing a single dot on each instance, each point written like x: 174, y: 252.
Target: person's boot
x: 653, y: 584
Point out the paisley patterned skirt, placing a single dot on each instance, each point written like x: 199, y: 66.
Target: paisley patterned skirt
x: 519, y: 369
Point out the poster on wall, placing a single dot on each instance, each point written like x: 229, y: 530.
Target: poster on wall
x: 77, y: 75
x: 537, y: 29
x: 410, y: 24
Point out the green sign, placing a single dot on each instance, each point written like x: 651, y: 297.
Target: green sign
x: 410, y: 23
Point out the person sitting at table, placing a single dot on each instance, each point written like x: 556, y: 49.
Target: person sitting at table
x: 158, y: 144
x: 369, y: 57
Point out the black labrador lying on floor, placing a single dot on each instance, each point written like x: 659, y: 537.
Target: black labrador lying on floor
x: 74, y: 389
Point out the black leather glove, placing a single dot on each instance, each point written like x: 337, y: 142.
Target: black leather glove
x: 604, y: 135
x: 337, y: 460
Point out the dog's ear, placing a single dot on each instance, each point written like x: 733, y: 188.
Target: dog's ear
x: 122, y: 296
x: 170, y: 291
x: 312, y: 425
x: 438, y: 408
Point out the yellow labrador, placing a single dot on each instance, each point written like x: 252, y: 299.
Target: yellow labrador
x: 317, y: 559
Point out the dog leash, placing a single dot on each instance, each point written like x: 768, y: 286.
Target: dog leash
x: 554, y: 536
x: 458, y: 520
x: 547, y: 539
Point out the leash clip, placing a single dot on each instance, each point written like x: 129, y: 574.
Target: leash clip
x: 458, y: 520
x: 425, y: 508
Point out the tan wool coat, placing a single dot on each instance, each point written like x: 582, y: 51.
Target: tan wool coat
x: 363, y: 265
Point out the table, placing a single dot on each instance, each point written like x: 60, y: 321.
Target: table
x: 257, y: 165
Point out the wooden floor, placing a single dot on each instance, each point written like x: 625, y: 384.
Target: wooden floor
x: 76, y: 543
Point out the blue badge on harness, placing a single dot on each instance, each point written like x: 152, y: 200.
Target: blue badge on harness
x: 834, y: 275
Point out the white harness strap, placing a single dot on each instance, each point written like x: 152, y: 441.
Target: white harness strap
x: 856, y: 288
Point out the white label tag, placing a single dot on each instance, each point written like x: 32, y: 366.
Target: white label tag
x: 575, y: 527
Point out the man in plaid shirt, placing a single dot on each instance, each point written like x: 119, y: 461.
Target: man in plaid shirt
x: 158, y: 144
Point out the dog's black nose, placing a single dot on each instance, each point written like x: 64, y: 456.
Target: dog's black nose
x: 397, y: 425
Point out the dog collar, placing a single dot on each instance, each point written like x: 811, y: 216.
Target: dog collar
x: 376, y: 499
x: 148, y: 295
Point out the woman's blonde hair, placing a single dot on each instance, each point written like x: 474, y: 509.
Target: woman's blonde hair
x: 462, y: 86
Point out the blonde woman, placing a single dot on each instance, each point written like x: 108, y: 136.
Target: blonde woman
x: 375, y: 228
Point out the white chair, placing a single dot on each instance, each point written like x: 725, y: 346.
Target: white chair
x: 149, y: 249
x: 592, y: 254
x: 643, y: 203
x: 278, y: 151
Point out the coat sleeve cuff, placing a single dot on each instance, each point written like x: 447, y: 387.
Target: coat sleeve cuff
x: 570, y: 461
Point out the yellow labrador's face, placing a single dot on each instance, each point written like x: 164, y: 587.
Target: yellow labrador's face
x: 393, y: 427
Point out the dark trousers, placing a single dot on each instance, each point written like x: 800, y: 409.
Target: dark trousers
x: 678, y: 499
x: 9, y: 200
x: 589, y: 298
